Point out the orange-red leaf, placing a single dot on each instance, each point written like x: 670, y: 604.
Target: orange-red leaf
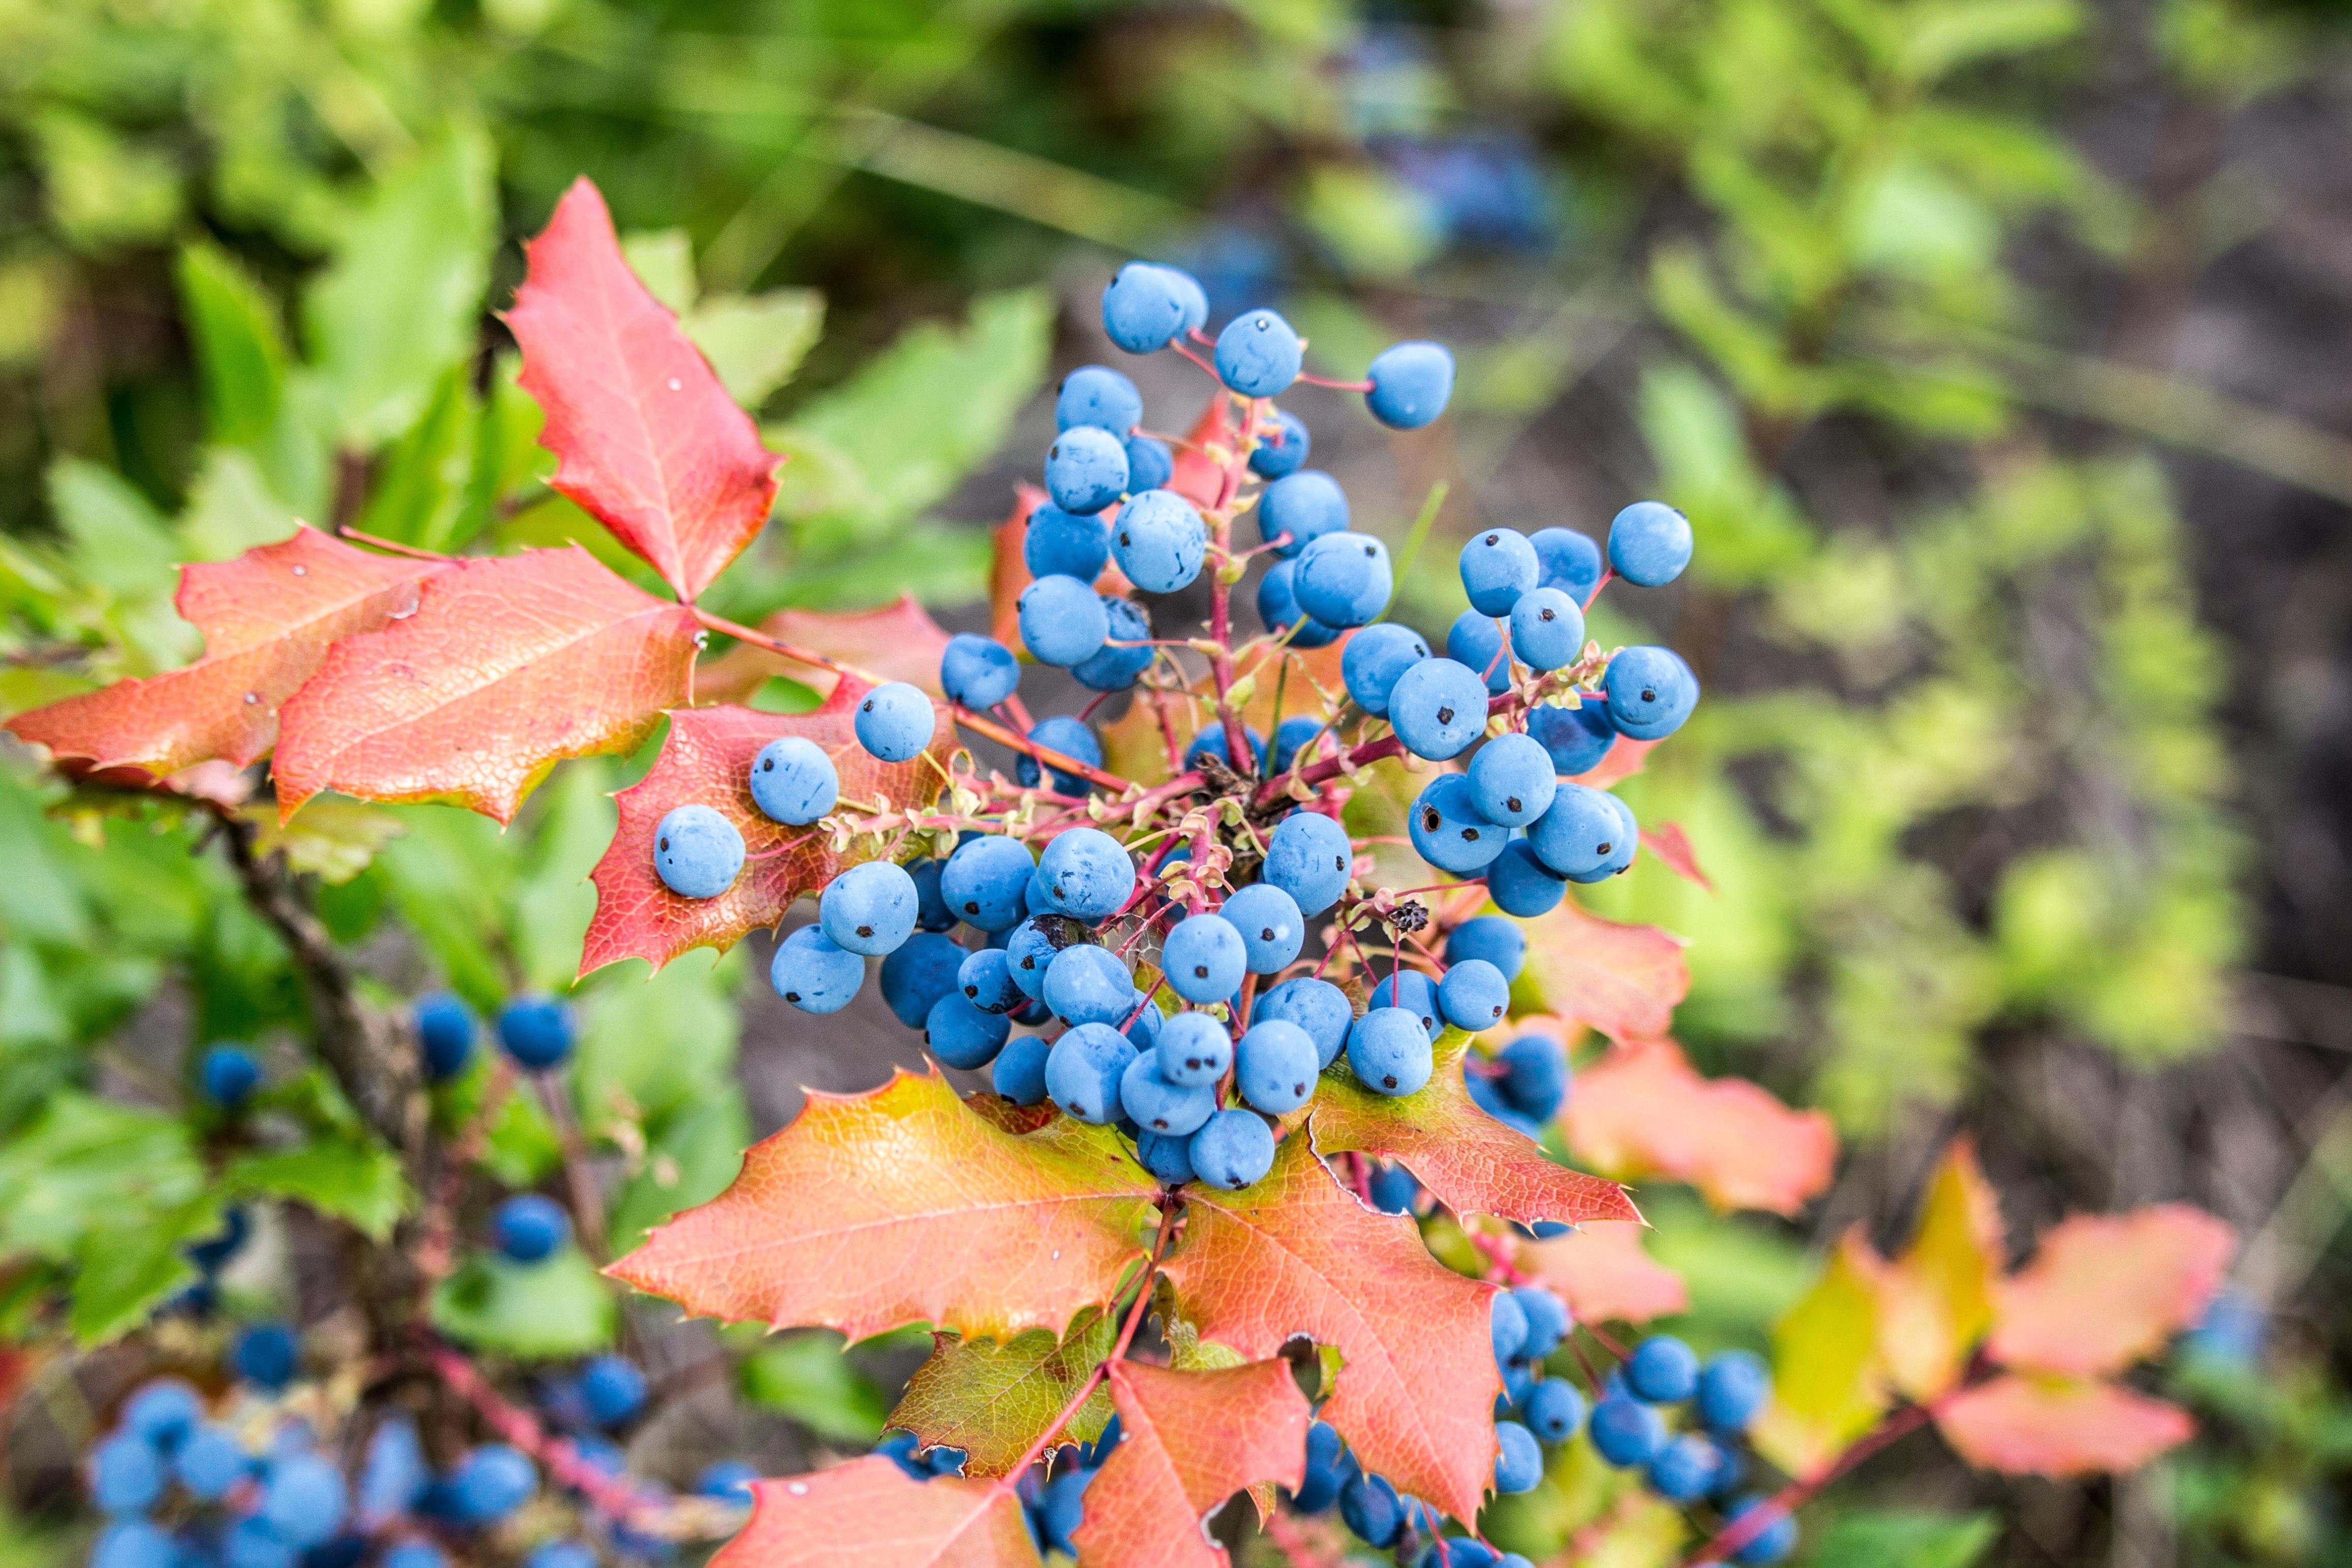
x: 1935, y: 1302
x: 1624, y: 758
x: 1298, y: 1255
x: 509, y: 664
x: 268, y: 619
x: 1190, y: 1440
x: 1008, y: 574
x: 644, y: 433
x: 1670, y: 847
x: 1472, y: 1162
x: 899, y: 1206
x: 2103, y: 1290
x: 1604, y: 1273
x: 1642, y: 1111
x: 870, y: 1513
x: 1624, y: 980
x: 897, y: 641
x: 2059, y: 1427
x: 1208, y: 447
x: 706, y: 759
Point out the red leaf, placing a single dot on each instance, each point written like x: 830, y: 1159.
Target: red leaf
x: 1298, y: 1255
x: 2058, y: 1427
x: 1641, y: 1111
x: 1190, y: 1440
x: 707, y: 759
x: 1624, y: 980
x: 900, y: 1206
x: 268, y: 619
x: 1199, y: 476
x: 1624, y: 758
x: 2103, y: 1290
x: 1602, y: 1273
x: 1008, y: 574
x: 646, y: 436
x: 868, y: 1513
x: 1670, y: 847
x: 897, y: 641
x: 509, y: 664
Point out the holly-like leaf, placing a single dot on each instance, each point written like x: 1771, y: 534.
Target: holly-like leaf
x: 1670, y: 847
x: 1828, y: 1385
x: 899, y: 1206
x: 707, y: 760
x: 898, y: 642
x: 1936, y: 1299
x: 1189, y: 1441
x: 870, y: 1513
x: 1207, y: 447
x: 1624, y: 758
x: 645, y: 436
x: 1642, y: 1112
x: 2103, y: 1290
x: 509, y: 664
x: 1472, y: 1162
x: 2059, y: 1426
x: 1297, y: 1255
x: 1604, y: 1273
x: 995, y: 1400
x: 267, y: 617
x: 1624, y: 980
x: 1008, y: 574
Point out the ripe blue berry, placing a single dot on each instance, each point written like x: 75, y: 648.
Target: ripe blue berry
x: 1770, y: 1544
x: 1031, y: 948
x: 1309, y: 858
x: 1211, y: 742
x: 267, y: 1353
x: 1114, y: 667
x: 1281, y: 450
x: 794, y: 781
x: 1585, y: 836
x: 1489, y: 936
x: 1300, y: 730
x: 815, y: 973
x: 1509, y: 1327
x: 1413, y: 991
x: 896, y: 721
x: 1547, y: 1320
x: 1276, y: 1067
x: 932, y: 912
x: 1410, y: 382
x: 126, y: 1475
x: 1063, y: 621
x: 1683, y: 1469
x: 1086, y: 984
x: 1519, y: 1464
x: 1306, y: 506
x: 1329, y: 1467
x: 420, y: 1555
x: 1649, y: 543
x: 136, y: 1543
x: 985, y: 980
x: 1318, y: 1007
x: 1392, y: 1188
x: 696, y: 851
x: 1086, y: 469
x: 1479, y: 642
x: 1084, y: 1069
x: 1143, y: 306
x: 1571, y: 562
x: 1624, y: 1431
x: 1459, y: 1551
x: 1511, y: 780
x: 1497, y: 567
x: 1448, y: 830
x: 1156, y: 1105
x: 230, y: 1073
x: 1662, y: 1370
x: 1651, y: 691
x: 1096, y: 397
x: 1733, y: 1388
x: 984, y: 880
x: 1553, y: 1409
x: 1158, y: 541
x: 1369, y: 1504
x: 1056, y: 543
x: 1272, y: 928
x: 1374, y: 659
x: 923, y: 969
x: 1523, y: 885
x: 1194, y: 1051
x: 1149, y: 464
x: 304, y: 1499
x: 1343, y: 579
x: 1089, y: 873
x: 978, y: 672
x: 1546, y: 629
x: 729, y: 1480
x: 963, y: 1036
x: 613, y: 1388
x: 393, y: 1473
x: 1068, y: 735
x: 1165, y: 1156
x: 1278, y: 607
x: 1390, y: 1052
x: 1439, y: 707
x: 869, y: 909
x: 491, y: 1482
x: 1489, y: 1098
x: 537, y: 1031
x: 444, y: 1031
x: 1204, y: 958
x: 528, y: 1228
x: 1576, y: 738
x: 164, y: 1411
x: 252, y: 1542
x: 1258, y: 355
x: 1535, y: 1076
x: 210, y: 1461
x: 1233, y: 1148
x: 1020, y: 1072
x: 1473, y: 996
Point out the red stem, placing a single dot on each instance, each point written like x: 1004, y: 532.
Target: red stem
x: 613, y: 1496
x: 1094, y: 1379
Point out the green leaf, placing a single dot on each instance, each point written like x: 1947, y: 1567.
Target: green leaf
x: 1939, y: 39
x: 659, y: 1043
x: 560, y: 1307
x: 755, y: 342
x: 351, y: 1179
x: 86, y: 1163
x: 521, y: 1148
x: 102, y: 190
x: 807, y: 1377
x: 1906, y: 1538
x: 124, y: 1270
x: 421, y: 491
x: 402, y: 300
x: 691, y: 1161
x: 240, y: 347
x: 506, y: 454
x: 233, y: 507
x: 663, y: 260
x: 333, y: 840
x: 121, y: 546
x: 995, y: 1400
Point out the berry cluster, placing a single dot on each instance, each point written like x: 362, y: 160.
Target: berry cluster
x: 1702, y: 1463
x: 1052, y: 1494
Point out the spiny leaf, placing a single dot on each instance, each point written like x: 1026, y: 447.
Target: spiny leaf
x: 1189, y: 1441
x: 1008, y: 574
x: 1642, y: 1112
x: 510, y: 663
x: 707, y: 760
x: 899, y: 1205
x: 267, y: 617
x: 1207, y: 447
x: 2103, y: 1290
x: 1297, y: 1254
x: 995, y: 1400
x: 646, y: 436
x: 2059, y: 1426
x: 1472, y: 1162
x: 1624, y: 980
x: 1670, y: 847
x: 870, y: 1513
x: 1602, y: 1273
x: 1935, y: 1301
x: 1624, y: 758
x: 1828, y: 1385
x: 899, y: 642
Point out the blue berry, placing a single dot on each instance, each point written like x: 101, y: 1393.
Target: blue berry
x: 1276, y: 1067
x: 1232, y: 1149
x: 126, y: 1475
x: 1571, y: 562
x: 1271, y: 925
x: 1211, y: 742
x: 1523, y: 885
x: 304, y: 1499
x: 1278, y: 607
x: 869, y: 909
x: 1489, y: 936
x: 1585, y: 836
x: 1553, y: 1409
x: 1627, y: 1432
x: 1519, y: 1464
x: 1020, y: 1072
x: 1194, y: 1051
x: 1511, y: 780
x: 1068, y: 735
x: 1156, y: 1105
x: 251, y: 1543
x: 1318, y: 1006
x: 1056, y: 543
x: 1410, y: 382
x: 1413, y: 991
x: 729, y: 1480
x: 1089, y: 873
x: 814, y: 973
x: 1149, y: 463
x: 1546, y: 629
x: 1165, y: 1156
x: 1497, y: 567
x: 1098, y: 397
x: 696, y: 851
x: 1158, y: 541
x: 1280, y: 450
x: 1086, y: 469
x: 230, y: 1073
x: 1308, y: 856
x: 491, y: 1482
x: 1507, y: 1326
x: 1329, y: 1467
x: 794, y: 781
x: 613, y: 1388
x: 1306, y: 506
x: 899, y: 1447
x: 1448, y: 830
x: 1461, y: 1551
x: 1030, y: 949
x: 1651, y: 691
x: 1390, y: 1052
x: 1086, y: 984
x: 932, y: 912
x: 977, y: 671
x: 210, y: 1461
x: 1473, y: 996
x: 1730, y: 1471
x: 896, y: 721
x: 528, y: 1228
x: 445, y: 1030
x: 1143, y: 306
x: 1478, y: 642
x: 961, y: 1035
x: 1683, y: 1470
x: 1649, y: 543
x: 1484, y: 1094
x: 1258, y: 355
x: 985, y: 978
x: 1547, y: 1319
x: 1392, y: 1188
x: 1343, y: 579
x: 267, y: 1353
x: 1374, y: 660
x: 1297, y: 730
x: 984, y: 881
x: 209, y: 1255
x: 1662, y: 1370
x: 1204, y: 958
x: 1576, y: 738
x: 1369, y: 1504
x: 418, y: 1555
x: 135, y: 1543
x: 1084, y: 1069
x: 1770, y: 1544
x: 1143, y: 1033
x: 393, y: 1475
x: 1060, y: 1508
x: 1535, y: 1076
x: 1439, y: 707
x: 1733, y: 1388
x: 1063, y: 621
x: 537, y: 1031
